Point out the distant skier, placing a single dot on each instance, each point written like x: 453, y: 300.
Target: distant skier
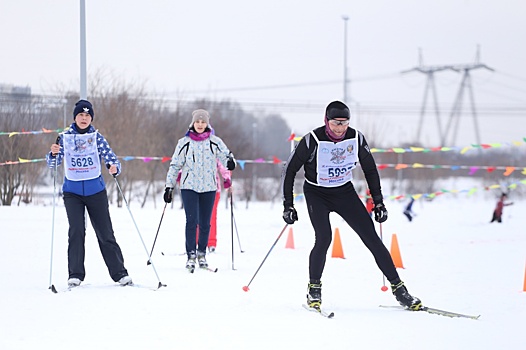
x: 408, y: 211
x: 497, y: 213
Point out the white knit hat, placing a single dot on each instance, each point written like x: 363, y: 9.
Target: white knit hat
x: 200, y: 114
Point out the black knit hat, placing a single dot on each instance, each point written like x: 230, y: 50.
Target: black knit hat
x: 83, y: 106
x: 337, y: 109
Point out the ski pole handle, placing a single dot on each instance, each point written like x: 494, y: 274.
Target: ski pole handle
x: 57, y: 142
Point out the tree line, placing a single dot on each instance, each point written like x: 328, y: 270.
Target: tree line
x: 138, y: 125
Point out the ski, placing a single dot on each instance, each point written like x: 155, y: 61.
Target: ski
x: 172, y: 254
x: 433, y: 311
x: 319, y: 311
x: 135, y: 285
x: 209, y: 269
x: 192, y: 269
x: 89, y: 286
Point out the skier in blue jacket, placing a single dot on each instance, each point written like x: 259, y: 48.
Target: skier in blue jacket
x: 81, y: 148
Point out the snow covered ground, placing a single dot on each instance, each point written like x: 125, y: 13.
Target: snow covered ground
x: 453, y: 259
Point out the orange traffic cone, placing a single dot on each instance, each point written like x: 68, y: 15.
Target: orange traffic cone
x: 524, y: 288
x: 290, y: 240
x: 395, y: 252
x: 337, y: 250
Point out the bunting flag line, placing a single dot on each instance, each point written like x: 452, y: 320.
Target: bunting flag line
x: 299, y: 196
x: 22, y: 160
x: 507, y: 170
x: 23, y: 132
x: 468, y: 191
x: 293, y: 137
x: 461, y: 150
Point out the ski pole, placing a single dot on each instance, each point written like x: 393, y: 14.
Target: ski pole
x: 55, y: 171
x: 245, y: 288
x: 232, y: 227
x: 137, y: 228
x: 237, y: 233
x: 235, y: 224
x: 384, y: 287
x: 155, y: 240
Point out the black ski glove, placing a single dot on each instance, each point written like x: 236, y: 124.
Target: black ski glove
x: 168, y: 194
x: 231, y: 162
x: 290, y: 215
x: 380, y: 212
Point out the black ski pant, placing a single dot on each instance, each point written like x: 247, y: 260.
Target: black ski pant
x: 98, y: 211
x: 345, y: 202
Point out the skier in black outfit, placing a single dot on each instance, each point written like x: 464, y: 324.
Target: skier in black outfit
x: 328, y: 154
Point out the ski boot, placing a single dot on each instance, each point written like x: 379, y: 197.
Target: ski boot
x: 74, y: 282
x: 190, y: 264
x: 314, y: 294
x: 126, y: 281
x: 404, y: 298
x: 202, y: 260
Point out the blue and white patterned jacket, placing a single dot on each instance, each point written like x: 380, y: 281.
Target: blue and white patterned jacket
x: 85, y: 187
x: 197, y: 160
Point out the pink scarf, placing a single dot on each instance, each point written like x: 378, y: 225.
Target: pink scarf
x: 198, y: 137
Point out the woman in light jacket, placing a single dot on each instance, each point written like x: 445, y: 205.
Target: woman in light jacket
x: 196, y: 155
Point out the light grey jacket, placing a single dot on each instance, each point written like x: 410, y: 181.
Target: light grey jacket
x: 197, y: 160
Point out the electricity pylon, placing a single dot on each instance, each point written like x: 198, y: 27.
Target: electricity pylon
x: 465, y: 83
x: 429, y: 71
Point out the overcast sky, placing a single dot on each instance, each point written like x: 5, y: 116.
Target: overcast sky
x: 288, y: 56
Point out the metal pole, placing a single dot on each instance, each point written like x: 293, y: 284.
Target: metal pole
x: 83, y: 89
x: 345, y: 79
x: 254, y: 129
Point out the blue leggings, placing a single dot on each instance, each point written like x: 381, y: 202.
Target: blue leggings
x: 198, y: 209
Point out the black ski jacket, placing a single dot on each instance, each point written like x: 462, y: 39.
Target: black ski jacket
x: 304, y: 155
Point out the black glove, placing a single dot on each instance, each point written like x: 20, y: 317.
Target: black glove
x: 231, y: 163
x: 290, y: 215
x: 380, y: 212
x: 168, y: 194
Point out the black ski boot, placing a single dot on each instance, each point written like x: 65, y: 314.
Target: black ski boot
x: 314, y: 294
x: 404, y: 298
